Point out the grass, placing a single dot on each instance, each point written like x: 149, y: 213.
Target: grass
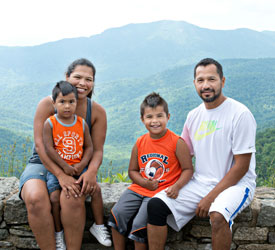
x: 13, y: 159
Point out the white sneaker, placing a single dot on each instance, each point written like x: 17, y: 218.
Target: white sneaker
x: 100, y: 232
x: 59, y: 240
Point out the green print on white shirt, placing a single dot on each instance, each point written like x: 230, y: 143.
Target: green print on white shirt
x: 206, y: 128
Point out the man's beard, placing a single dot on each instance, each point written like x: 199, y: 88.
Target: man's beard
x: 212, y: 98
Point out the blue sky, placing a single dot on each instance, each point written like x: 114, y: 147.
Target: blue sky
x: 32, y: 22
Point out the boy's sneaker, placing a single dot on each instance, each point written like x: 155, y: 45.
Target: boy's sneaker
x: 59, y: 240
x: 100, y: 232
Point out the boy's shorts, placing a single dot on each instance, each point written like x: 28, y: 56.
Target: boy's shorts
x: 32, y: 171
x: 229, y: 203
x: 129, y: 216
x: 53, y: 183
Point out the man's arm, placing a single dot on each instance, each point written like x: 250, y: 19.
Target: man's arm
x: 135, y: 175
x: 234, y: 175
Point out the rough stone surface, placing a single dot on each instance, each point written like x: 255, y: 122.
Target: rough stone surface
x: 254, y: 228
x: 3, y: 234
x: 15, y: 211
x: 256, y: 247
x: 255, y: 235
x: 201, y: 231
x: 266, y: 216
x: 271, y: 238
x: 8, y: 186
x: 1, y: 210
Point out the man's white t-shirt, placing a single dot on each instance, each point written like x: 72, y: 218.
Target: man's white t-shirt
x: 214, y: 136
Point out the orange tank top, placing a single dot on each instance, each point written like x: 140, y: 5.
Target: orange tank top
x: 68, y: 138
x: 157, y: 159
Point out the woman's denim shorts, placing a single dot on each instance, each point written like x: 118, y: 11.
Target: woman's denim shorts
x: 32, y: 171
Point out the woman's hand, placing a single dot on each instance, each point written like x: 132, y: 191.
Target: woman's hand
x: 88, y: 182
x: 69, y: 186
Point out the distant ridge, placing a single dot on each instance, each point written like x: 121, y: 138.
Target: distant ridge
x: 134, y: 50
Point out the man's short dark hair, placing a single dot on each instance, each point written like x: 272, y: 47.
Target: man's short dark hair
x: 207, y: 61
x: 153, y: 100
x: 65, y: 88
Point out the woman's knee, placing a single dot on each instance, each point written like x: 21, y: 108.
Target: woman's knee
x: 72, y: 204
x: 36, y: 198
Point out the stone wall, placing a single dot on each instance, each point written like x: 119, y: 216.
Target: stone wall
x: 254, y: 228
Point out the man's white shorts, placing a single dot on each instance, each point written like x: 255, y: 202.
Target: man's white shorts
x: 229, y: 203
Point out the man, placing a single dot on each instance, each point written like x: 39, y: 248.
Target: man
x: 220, y: 134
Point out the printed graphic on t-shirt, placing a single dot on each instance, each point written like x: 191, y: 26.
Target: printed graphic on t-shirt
x: 206, y: 128
x: 69, y: 141
x: 154, y: 168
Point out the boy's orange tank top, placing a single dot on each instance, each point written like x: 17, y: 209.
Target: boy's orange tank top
x: 157, y: 159
x: 68, y: 138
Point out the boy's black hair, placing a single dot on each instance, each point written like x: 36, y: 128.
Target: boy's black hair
x: 153, y: 100
x: 207, y: 61
x: 65, y: 88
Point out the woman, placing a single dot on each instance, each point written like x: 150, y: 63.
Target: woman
x: 33, y: 189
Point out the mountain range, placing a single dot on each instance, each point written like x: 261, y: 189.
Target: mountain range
x: 133, y: 51
x: 133, y: 61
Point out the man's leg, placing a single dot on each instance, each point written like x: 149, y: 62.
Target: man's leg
x: 221, y: 233
x: 36, y: 198
x: 227, y: 205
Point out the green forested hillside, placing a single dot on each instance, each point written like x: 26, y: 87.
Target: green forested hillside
x: 265, y: 145
x: 250, y: 81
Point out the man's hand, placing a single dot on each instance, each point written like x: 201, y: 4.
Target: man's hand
x: 204, y: 206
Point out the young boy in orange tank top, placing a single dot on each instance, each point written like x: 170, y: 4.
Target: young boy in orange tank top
x: 68, y: 143
x: 160, y: 160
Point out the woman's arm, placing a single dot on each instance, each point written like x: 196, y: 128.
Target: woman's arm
x: 98, y: 135
x: 87, y: 152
